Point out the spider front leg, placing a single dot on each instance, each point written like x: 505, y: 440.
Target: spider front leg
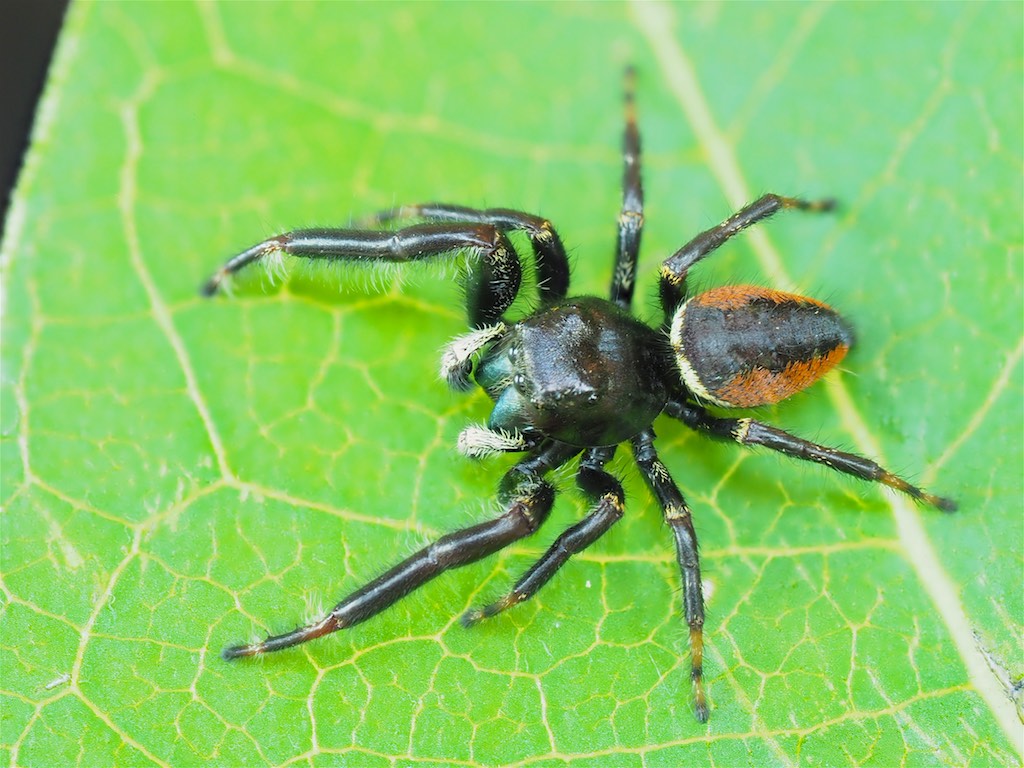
x: 679, y: 519
x: 608, y: 498
x: 673, y: 271
x: 752, y: 432
x: 492, y: 286
x: 528, y: 499
x: 631, y: 217
x: 549, y: 253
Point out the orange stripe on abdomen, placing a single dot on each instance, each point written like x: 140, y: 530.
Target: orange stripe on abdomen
x: 760, y: 386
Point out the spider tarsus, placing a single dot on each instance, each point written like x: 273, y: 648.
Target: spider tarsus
x: 212, y: 286
x: 701, y: 711
x: 825, y: 204
x: 898, y: 483
x: 474, y: 616
x: 233, y: 652
x: 629, y: 93
x: 700, y: 702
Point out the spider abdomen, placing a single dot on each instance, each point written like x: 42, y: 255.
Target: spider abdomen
x: 583, y: 372
x: 741, y: 346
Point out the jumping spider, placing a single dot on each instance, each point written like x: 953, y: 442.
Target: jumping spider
x: 578, y: 376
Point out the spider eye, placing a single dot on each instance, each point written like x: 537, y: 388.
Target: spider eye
x: 519, y: 381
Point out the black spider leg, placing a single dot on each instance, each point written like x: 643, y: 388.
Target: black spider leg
x: 548, y: 251
x: 528, y: 499
x: 679, y: 519
x: 605, y: 492
x: 631, y: 217
x: 675, y: 267
x: 752, y: 432
x: 493, y: 284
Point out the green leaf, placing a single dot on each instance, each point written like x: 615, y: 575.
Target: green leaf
x: 180, y: 474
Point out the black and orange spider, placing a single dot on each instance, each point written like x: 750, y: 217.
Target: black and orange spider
x: 579, y: 376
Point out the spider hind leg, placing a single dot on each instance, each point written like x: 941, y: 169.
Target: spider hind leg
x: 680, y: 521
x: 753, y: 432
x: 527, y: 498
x: 608, y: 498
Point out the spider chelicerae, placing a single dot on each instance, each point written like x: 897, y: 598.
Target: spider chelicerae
x: 579, y: 376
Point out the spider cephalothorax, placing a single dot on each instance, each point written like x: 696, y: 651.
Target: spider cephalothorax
x: 578, y: 376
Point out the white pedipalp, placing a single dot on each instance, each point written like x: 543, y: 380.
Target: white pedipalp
x: 477, y: 441
x: 459, y: 352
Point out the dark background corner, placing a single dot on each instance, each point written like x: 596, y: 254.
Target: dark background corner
x: 28, y: 31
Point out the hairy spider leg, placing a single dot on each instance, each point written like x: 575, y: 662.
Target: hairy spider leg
x: 672, y: 285
x: 528, y: 499
x: 752, y: 432
x: 548, y: 251
x: 631, y: 217
x: 492, y: 286
x: 606, y: 493
x: 679, y: 519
